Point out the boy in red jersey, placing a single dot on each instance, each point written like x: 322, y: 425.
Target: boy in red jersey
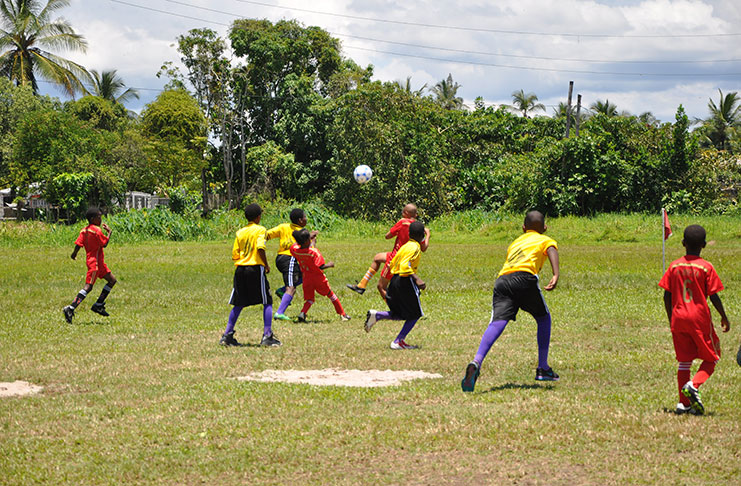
x: 401, y: 231
x: 518, y: 287
x: 312, y: 263
x: 687, y: 284
x: 404, y: 289
x: 93, y: 240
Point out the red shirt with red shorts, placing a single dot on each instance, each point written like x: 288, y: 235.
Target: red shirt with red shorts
x: 93, y: 240
x: 691, y: 280
x: 401, y: 231
x: 310, y: 259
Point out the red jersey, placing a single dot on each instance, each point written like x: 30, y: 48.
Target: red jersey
x: 690, y: 280
x: 401, y: 231
x: 309, y: 259
x: 93, y: 240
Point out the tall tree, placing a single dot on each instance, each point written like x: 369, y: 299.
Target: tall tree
x: 445, y: 93
x: 28, y: 30
x: 407, y: 87
x: 525, y: 102
x: 604, y: 107
x: 725, y: 117
x: 108, y: 85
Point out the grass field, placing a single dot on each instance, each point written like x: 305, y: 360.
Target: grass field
x: 147, y: 396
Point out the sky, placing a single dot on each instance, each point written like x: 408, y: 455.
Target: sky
x: 648, y: 55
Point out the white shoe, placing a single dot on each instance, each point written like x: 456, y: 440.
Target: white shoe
x: 370, y: 320
x: 402, y: 345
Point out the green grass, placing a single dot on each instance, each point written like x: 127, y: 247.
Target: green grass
x: 147, y: 396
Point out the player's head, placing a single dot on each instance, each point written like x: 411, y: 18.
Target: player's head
x: 417, y: 231
x: 409, y: 211
x: 298, y: 216
x: 694, y: 238
x: 93, y: 215
x: 302, y: 237
x: 534, y: 221
x: 253, y: 212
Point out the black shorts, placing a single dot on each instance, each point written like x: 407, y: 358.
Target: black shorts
x: 251, y: 286
x: 515, y: 291
x: 402, y: 297
x: 288, y: 266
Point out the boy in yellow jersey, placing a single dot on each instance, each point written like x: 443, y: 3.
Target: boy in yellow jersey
x: 517, y: 288
x: 285, y: 262
x: 250, y: 282
x: 402, y: 296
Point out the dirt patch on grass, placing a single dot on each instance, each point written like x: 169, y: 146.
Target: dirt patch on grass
x: 18, y: 388
x: 337, y: 377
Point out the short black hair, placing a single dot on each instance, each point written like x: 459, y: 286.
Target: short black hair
x: 694, y: 236
x: 252, y: 211
x: 296, y: 214
x: 534, y: 220
x: 301, y: 236
x: 417, y: 231
x: 91, y: 213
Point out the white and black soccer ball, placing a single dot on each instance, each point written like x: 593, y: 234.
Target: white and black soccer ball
x: 362, y: 174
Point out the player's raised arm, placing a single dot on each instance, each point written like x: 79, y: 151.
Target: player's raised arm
x: 552, y: 253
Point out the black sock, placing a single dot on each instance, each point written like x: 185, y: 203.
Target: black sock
x: 80, y: 297
x: 103, y: 294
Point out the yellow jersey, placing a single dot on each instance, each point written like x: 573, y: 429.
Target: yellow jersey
x: 527, y: 253
x: 285, y: 233
x: 249, y: 239
x: 406, y: 260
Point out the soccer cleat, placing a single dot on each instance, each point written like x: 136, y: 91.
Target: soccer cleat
x: 99, y: 309
x: 683, y: 409
x: 69, y: 313
x: 301, y: 317
x: 270, y: 341
x: 370, y: 320
x: 545, y: 375
x: 738, y: 356
x: 693, y: 394
x: 280, y: 291
x: 345, y: 317
x: 472, y: 374
x: 281, y: 317
x: 355, y: 288
x: 228, y: 340
x: 401, y: 344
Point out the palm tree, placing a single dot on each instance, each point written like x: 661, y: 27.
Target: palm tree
x: 725, y: 118
x: 606, y: 108
x: 27, y: 31
x: 407, y: 88
x: 562, y: 109
x: 109, y: 86
x: 649, y: 119
x: 525, y: 102
x: 445, y: 94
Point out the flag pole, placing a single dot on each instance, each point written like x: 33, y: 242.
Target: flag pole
x: 663, y: 241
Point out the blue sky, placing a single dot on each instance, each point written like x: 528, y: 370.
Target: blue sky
x: 647, y: 55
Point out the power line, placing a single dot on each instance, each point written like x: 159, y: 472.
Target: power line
x: 464, y: 51
x: 494, y: 31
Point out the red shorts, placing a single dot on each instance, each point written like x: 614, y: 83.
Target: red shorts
x: 319, y: 286
x: 96, y: 270
x: 386, y: 271
x: 696, y: 344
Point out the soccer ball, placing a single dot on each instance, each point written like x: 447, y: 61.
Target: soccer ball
x: 362, y: 174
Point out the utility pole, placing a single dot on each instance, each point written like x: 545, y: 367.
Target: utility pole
x: 568, y: 109
x: 578, y: 113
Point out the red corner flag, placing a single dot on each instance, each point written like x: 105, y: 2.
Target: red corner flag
x: 667, y: 226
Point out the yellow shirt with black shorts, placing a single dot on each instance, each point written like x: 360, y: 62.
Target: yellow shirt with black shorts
x: 284, y: 261
x: 402, y: 295
x: 251, y: 285
x: 517, y: 286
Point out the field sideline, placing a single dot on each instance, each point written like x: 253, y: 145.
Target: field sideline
x: 147, y: 396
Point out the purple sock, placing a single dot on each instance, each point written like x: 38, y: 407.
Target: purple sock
x: 544, y: 340
x: 491, y: 334
x: 285, y: 301
x: 408, y: 326
x: 233, y: 316
x: 267, y: 319
x: 380, y: 315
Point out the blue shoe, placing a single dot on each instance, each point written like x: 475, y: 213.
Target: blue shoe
x: 545, y: 375
x: 281, y: 317
x: 472, y: 374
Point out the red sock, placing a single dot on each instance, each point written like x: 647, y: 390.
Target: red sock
x: 336, y: 302
x: 683, y: 376
x: 702, y: 375
x: 307, y: 306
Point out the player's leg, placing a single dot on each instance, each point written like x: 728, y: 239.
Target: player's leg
x: 69, y: 311
x: 268, y: 338
x: 227, y: 339
x: 99, y: 305
x: 404, y: 302
x: 309, y: 292
x: 530, y: 298
x: 325, y: 290
x: 378, y: 260
x: 291, y: 278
